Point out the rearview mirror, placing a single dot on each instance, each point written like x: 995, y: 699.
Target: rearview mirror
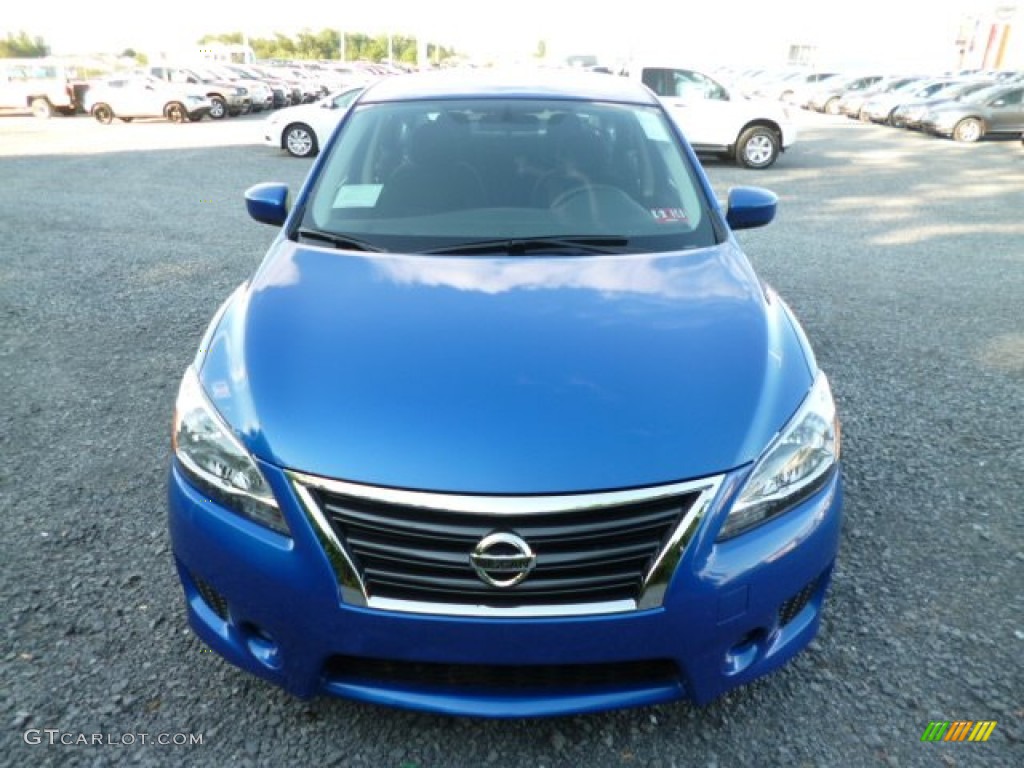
x: 268, y: 203
x: 750, y: 207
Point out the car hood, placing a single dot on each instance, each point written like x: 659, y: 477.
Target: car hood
x: 510, y: 375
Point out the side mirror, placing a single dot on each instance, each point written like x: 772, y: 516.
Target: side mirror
x: 750, y: 207
x: 268, y: 203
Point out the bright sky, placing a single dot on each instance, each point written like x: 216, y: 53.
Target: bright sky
x: 886, y: 32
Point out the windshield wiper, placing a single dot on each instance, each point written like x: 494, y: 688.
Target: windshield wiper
x: 519, y: 246
x: 341, y: 241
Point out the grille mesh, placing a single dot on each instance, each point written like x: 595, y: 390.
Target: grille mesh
x: 417, y: 554
x: 212, y: 598
x: 537, y: 677
x: 796, y: 603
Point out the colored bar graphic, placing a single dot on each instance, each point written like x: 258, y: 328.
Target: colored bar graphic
x: 935, y: 731
x: 958, y: 730
x: 982, y: 731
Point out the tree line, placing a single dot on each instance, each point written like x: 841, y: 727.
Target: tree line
x: 21, y: 46
x: 326, y: 44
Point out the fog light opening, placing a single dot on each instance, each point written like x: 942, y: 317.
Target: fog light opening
x: 796, y: 604
x: 261, y: 645
x: 213, y: 599
x: 744, y: 652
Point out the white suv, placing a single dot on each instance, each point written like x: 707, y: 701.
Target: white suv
x: 753, y: 132
x: 44, y: 86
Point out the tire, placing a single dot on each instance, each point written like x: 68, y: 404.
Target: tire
x: 758, y: 148
x: 299, y: 140
x: 175, y: 112
x: 42, y: 108
x: 218, y: 108
x: 969, y: 130
x: 103, y: 114
x: 832, y: 106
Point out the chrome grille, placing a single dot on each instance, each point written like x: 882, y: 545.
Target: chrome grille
x: 405, y: 553
x: 595, y: 553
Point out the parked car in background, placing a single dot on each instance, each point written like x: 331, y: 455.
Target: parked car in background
x: 997, y: 110
x: 910, y: 114
x: 880, y: 108
x: 131, y: 96
x: 280, y: 95
x: 302, y: 130
x: 752, y: 132
x: 800, y: 94
x: 851, y: 103
x: 505, y: 424
x: 306, y: 87
x: 42, y: 86
x: 786, y: 88
x: 226, y: 98
x: 260, y: 94
x: 826, y: 98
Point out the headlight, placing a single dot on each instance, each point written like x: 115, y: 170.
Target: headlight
x: 797, y: 463
x: 215, y: 462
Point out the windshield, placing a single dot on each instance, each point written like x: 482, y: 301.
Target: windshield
x: 986, y: 94
x: 423, y: 176
x: 966, y: 93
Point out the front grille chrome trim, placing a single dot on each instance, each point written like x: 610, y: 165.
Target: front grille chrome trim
x: 524, y: 611
x: 350, y: 584
x: 655, y: 581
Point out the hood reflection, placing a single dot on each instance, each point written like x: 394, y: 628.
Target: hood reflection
x: 696, y: 274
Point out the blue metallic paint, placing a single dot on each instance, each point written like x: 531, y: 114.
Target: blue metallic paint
x: 268, y: 582
x: 750, y: 207
x: 288, y: 379
x: 268, y: 203
x: 480, y: 375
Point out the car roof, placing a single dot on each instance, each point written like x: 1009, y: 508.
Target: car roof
x: 515, y: 83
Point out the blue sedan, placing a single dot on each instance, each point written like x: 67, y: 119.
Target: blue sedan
x: 505, y: 424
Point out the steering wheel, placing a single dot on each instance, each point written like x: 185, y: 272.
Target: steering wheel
x: 596, y: 194
x: 603, y: 202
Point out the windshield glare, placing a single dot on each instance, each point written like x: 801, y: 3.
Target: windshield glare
x: 419, y: 175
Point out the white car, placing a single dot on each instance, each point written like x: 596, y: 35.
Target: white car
x: 131, y: 96
x: 303, y: 129
x: 753, y: 132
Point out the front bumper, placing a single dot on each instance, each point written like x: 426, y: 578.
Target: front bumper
x: 938, y: 127
x: 735, y: 610
x: 272, y: 136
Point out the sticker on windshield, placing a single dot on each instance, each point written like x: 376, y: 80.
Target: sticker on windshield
x: 669, y: 215
x: 357, y: 196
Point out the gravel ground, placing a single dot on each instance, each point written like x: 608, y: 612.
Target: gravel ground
x: 904, y: 257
